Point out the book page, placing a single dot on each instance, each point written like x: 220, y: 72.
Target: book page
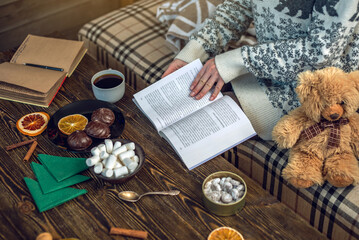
x: 168, y: 100
x: 209, y: 132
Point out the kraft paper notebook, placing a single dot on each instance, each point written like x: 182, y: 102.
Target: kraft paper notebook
x: 38, y: 68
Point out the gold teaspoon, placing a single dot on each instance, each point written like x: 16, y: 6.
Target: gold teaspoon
x: 131, y: 196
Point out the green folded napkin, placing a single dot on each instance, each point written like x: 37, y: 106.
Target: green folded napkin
x: 62, y: 167
x: 45, y: 202
x: 49, y: 184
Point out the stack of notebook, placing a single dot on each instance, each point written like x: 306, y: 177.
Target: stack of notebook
x: 54, y: 177
x: 38, y: 68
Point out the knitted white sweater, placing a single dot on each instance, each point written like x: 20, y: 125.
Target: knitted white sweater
x: 293, y: 36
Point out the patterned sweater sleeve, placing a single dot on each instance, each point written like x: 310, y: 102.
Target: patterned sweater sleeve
x: 230, y: 20
x: 329, y: 36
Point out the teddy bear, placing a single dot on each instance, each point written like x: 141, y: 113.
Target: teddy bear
x: 322, y: 134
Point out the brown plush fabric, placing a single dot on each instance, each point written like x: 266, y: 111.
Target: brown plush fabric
x: 328, y: 149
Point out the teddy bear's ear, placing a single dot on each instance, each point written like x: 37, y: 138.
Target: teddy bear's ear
x: 307, y: 91
x: 306, y: 83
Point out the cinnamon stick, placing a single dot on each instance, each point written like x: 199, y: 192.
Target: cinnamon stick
x: 30, y: 151
x: 19, y: 144
x: 129, y: 232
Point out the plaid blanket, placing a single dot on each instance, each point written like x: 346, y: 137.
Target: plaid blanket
x: 132, y: 40
x: 185, y: 17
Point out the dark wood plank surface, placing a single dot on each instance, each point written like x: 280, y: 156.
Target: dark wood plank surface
x: 90, y: 216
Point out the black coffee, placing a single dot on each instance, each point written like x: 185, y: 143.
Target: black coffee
x: 108, y: 81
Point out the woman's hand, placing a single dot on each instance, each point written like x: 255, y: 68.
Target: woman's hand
x: 174, y: 65
x: 205, y: 79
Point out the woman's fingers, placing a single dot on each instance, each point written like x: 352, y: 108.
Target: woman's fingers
x: 205, y: 80
x: 201, y: 79
x: 207, y: 86
x: 174, y: 65
x: 207, y: 77
x: 217, y: 90
x: 199, y: 82
x: 198, y: 79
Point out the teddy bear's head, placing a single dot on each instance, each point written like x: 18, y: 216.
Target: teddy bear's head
x: 328, y: 93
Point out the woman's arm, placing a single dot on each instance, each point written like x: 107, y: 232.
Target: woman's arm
x: 230, y: 20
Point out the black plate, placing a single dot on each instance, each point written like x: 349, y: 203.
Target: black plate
x: 84, y: 107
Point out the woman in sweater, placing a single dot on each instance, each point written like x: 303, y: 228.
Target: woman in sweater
x: 292, y: 35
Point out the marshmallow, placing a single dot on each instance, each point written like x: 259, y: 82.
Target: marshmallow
x: 107, y: 172
x: 119, y: 150
x: 118, y: 164
x: 95, y: 151
x: 111, y: 162
x: 113, y: 159
x: 104, y: 161
x: 130, y: 146
x: 92, y: 160
x: 117, y: 145
x: 127, y: 161
x: 98, y: 168
x: 118, y: 172
x: 132, y: 166
x: 104, y: 155
x: 102, y: 147
x: 109, y: 145
x: 135, y: 159
x: 127, y: 154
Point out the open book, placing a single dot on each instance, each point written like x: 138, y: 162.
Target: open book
x: 38, y: 69
x: 198, y: 130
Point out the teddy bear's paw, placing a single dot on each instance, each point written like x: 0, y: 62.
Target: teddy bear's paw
x: 340, y: 180
x: 300, y: 183
x: 284, y: 142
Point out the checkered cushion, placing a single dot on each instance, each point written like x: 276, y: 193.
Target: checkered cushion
x: 131, y: 40
x: 131, y: 37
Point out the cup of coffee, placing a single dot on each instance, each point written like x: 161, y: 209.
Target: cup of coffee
x: 108, y: 85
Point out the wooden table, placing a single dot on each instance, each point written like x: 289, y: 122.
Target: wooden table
x: 90, y: 216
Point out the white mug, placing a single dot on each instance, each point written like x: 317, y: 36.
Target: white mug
x: 108, y: 85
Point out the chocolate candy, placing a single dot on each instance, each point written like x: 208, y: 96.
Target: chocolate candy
x: 97, y: 129
x: 104, y: 115
x: 224, y: 190
x: 79, y: 140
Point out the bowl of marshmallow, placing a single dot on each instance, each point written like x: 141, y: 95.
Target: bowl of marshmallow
x: 224, y: 193
x: 116, y: 160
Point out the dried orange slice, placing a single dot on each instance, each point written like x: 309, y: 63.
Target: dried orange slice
x: 33, y: 124
x: 225, y: 233
x: 72, y: 123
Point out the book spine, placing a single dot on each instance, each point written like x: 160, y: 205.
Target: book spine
x: 20, y: 49
x: 57, y: 91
